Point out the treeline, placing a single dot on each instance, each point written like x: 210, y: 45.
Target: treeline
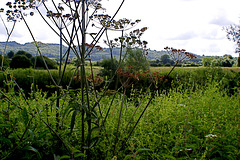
x: 23, y: 59
x: 224, y: 61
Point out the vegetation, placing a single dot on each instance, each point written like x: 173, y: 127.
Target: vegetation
x: 20, y: 61
x: 6, y: 61
x: 189, y: 121
x: 224, y: 61
x: 39, y: 63
x: 85, y: 116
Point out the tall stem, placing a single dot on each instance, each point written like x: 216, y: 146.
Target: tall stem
x: 82, y: 69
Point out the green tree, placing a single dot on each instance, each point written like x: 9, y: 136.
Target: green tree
x: 20, y: 61
x: 40, y: 63
x: 207, y: 61
x: 109, y: 67
x: 238, y: 62
x: 137, y: 59
x: 165, y: 58
x: 10, y: 54
x: 21, y: 52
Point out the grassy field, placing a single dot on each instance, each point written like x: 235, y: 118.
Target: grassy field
x: 196, y: 118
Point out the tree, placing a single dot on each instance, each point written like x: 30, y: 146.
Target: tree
x: 238, y: 62
x: 20, y: 61
x: 165, y: 59
x: 21, y: 52
x: 40, y: 63
x: 10, y: 54
x: 233, y: 34
x: 136, y: 59
x: 109, y: 67
x: 207, y: 61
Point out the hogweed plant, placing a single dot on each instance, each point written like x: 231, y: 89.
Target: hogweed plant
x: 75, y: 123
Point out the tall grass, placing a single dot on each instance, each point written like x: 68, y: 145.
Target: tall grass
x: 178, y: 124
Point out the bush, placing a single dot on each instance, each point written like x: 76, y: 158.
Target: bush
x: 207, y: 61
x: 6, y: 61
x: 167, y: 65
x: 109, y: 67
x: 136, y: 58
x: 10, y: 54
x: 40, y: 64
x: 20, y: 61
x: 21, y: 52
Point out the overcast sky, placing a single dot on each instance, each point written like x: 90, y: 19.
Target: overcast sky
x: 194, y: 25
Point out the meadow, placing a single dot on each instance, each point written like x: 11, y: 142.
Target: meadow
x: 197, y: 116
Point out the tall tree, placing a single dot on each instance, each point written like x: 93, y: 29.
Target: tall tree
x: 233, y: 34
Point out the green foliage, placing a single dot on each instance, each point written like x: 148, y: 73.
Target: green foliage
x: 22, y: 52
x: 165, y: 59
x: 238, y: 62
x: 6, y: 62
x: 20, y: 61
x: 109, y: 67
x: 179, y: 124
x: 40, y: 64
x: 10, y: 54
x: 136, y: 59
x: 224, y: 61
x: 207, y: 61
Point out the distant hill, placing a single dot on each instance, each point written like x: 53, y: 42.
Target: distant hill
x: 52, y: 50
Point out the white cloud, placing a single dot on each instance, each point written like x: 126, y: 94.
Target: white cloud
x: 195, y: 25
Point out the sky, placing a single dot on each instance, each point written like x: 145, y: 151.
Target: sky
x: 194, y: 25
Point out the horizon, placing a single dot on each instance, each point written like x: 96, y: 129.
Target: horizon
x: 194, y: 25
x: 119, y: 47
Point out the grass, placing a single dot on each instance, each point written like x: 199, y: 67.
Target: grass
x: 193, y: 120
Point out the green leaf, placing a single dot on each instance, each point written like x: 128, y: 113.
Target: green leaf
x: 65, y: 157
x: 5, y: 140
x: 25, y: 116
x: 73, y: 120
x: 30, y: 148
x: 31, y: 134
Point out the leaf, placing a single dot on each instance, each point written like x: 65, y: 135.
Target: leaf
x: 25, y: 116
x: 65, y: 157
x: 73, y: 120
x: 31, y: 134
x: 5, y: 140
x: 30, y: 148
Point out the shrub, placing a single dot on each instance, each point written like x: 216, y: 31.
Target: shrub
x: 109, y: 67
x: 10, y: 54
x: 207, y: 61
x: 136, y: 58
x: 21, y: 52
x: 6, y: 61
x: 20, y: 61
x: 40, y: 64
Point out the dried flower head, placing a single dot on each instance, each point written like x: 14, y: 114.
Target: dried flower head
x: 179, y: 55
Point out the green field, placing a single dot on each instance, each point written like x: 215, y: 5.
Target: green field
x: 196, y: 117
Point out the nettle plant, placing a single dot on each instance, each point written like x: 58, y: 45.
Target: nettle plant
x: 77, y: 121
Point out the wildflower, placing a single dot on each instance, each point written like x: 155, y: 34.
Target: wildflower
x: 211, y: 136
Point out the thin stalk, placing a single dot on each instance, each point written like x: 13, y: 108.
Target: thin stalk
x: 35, y: 42
x: 119, y: 121
x: 121, y: 50
x: 94, y: 88
x: 82, y: 72
x: 100, y: 33
x: 9, y: 35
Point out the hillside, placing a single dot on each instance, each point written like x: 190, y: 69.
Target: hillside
x: 52, y: 51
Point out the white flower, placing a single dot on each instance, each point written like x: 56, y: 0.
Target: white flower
x: 211, y: 136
